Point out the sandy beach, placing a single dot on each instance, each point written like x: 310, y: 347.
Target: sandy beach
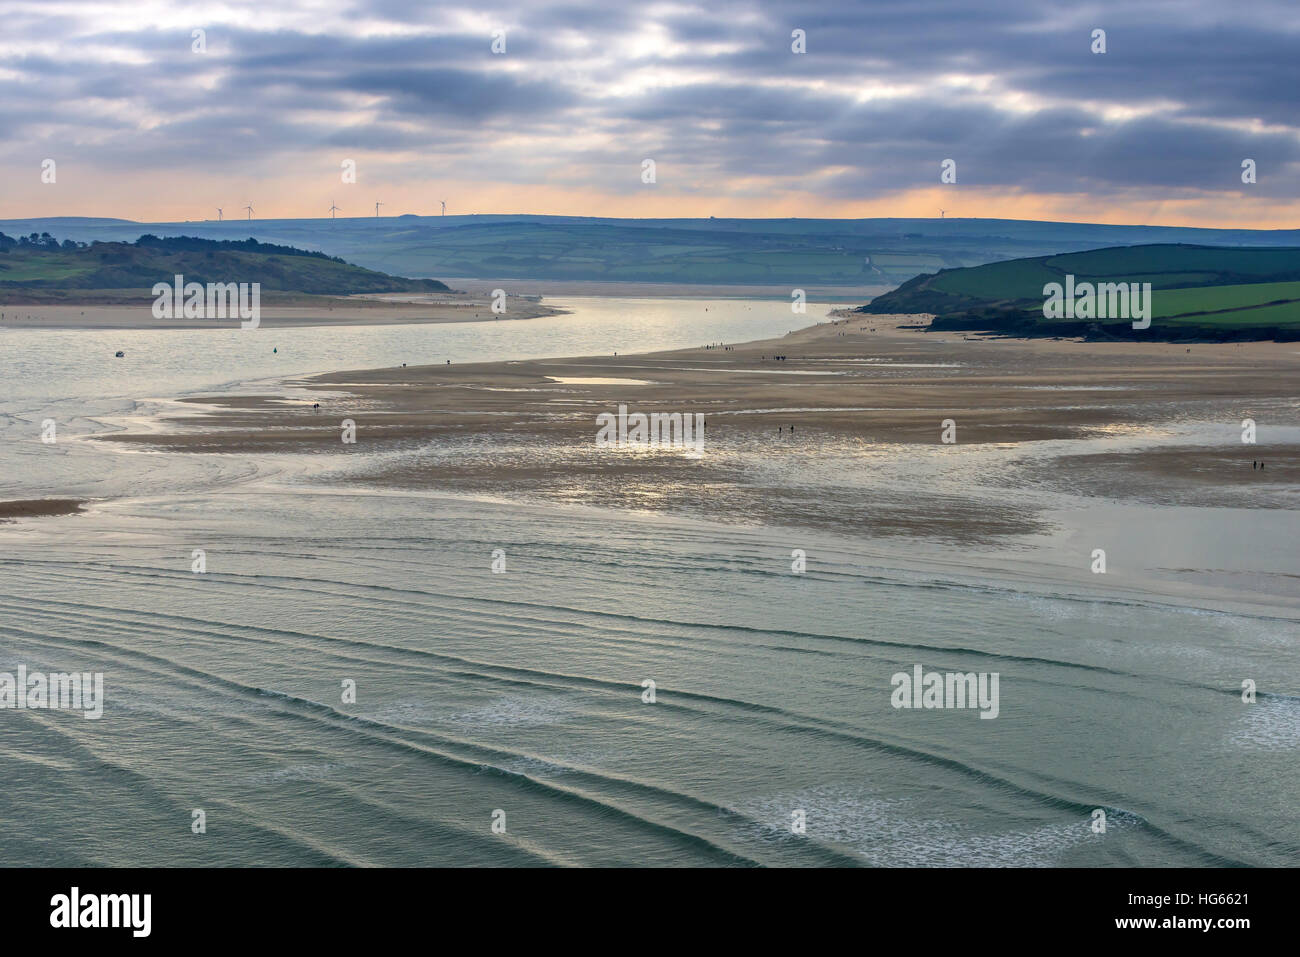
x: 862, y: 383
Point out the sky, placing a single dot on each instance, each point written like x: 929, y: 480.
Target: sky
x: 143, y: 120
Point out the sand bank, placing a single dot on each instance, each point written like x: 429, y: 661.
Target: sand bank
x: 893, y: 384
x: 39, y: 507
x: 865, y: 387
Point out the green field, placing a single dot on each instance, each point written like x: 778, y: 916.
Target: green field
x: 1202, y: 290
x: 1285, y: 315
x: 614, y: 253
x: 1177, y: 302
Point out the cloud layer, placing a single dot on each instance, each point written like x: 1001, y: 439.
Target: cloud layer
x: 143, y: 126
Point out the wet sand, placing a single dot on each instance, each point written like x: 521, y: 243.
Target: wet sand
x: 39, y: 508
x: 894, y: 385
x: 873, y: 383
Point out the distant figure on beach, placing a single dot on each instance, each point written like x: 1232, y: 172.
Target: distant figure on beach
x: 448, y: 362
x: 315, y: 406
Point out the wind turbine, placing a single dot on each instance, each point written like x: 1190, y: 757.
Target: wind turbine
x: 377, y: 205
x: 250, y: 213
x: 332, y: 209
x: 444, y: 207
x: 219, y: 214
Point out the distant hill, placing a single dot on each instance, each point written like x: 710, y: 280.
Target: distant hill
x: 798, y: 253
x: 43, y: 268
x: 1201, y: 292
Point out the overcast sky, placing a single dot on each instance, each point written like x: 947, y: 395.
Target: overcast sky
x: 1154, y: 130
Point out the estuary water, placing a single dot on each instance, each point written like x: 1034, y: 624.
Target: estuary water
x: 349, y: 682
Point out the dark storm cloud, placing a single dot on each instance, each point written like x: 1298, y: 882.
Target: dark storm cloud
x: 885, y: 92
x: 470, y: 95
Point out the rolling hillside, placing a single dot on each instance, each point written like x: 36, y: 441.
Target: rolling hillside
x: 1203, y: 292
x: 799, y: 253
x: 45, y: 270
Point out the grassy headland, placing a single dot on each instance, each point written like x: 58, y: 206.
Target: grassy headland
x: 1198, y: 292
x: 38, y: 269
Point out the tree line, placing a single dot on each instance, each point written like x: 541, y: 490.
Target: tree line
x: 166, y: 244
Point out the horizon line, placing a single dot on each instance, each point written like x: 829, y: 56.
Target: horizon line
x: 651, y: 219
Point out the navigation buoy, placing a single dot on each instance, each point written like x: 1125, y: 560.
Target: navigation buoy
x: 275, y: 350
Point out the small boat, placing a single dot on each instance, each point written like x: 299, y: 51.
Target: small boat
x: 119, y: 354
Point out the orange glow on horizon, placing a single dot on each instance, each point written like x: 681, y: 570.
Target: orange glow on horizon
x: 152, y: 199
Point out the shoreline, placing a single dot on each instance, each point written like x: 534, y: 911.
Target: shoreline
x: 849, y: 293
x: 366, y: 310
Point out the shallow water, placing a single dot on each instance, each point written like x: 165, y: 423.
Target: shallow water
x: 521, y: 691
x: 71, y: 377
